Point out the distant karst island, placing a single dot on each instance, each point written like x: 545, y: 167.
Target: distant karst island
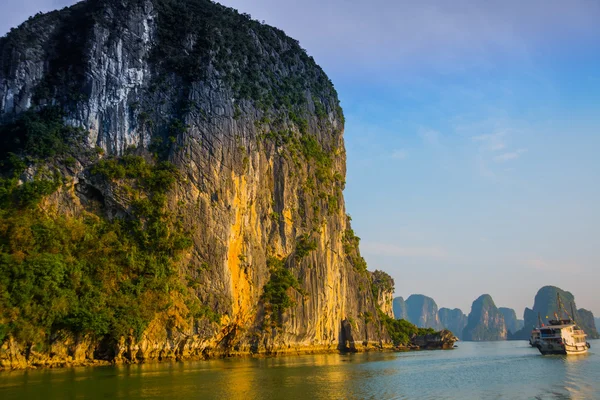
x: 487, y: 322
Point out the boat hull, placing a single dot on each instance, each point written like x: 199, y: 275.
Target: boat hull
x: 554, y: 349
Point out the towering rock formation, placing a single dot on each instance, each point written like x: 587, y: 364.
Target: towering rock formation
x: 423, y: 312
x: 585, y: 319
x: 597, y: 322
x: 485, y: 322
x: 510, y: 319
x: 176, y: 190
x: 454, y: 320
x: 399, y: 308
x: 383, y: 290
x: 545, y: 304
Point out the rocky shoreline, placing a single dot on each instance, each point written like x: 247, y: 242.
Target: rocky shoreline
x: 12, y: 357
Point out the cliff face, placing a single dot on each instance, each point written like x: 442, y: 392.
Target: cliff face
x: 546, y: 304
x: 248, y: 131
x: 454, y: 320
x: 485, y: 321
x: 423, y: 312
x: 399, y: 308
x: 383, y: 291
x: 510, y: 319
x: 585, y: 319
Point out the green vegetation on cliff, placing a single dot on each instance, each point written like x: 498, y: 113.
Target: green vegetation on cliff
x: 401, y: 331
x: 275, y: 292
x: 485, y: 322
x: 193, y: 34
x: 85, y: 273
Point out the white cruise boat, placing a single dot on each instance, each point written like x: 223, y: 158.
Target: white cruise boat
x: 562, y: 336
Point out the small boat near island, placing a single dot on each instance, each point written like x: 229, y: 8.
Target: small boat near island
x: 534, y: 340
x: 561, y: 336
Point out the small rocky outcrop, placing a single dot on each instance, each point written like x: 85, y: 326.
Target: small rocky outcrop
x: 423, y: 312
x: 399, y: 308
x: 454, y: 320
x: 486, y: 322
x: 442, y: 340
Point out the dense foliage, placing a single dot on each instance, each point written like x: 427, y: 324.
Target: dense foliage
x: 381, y: 282
x: 304, y: 246
x: 275, y: 292
x: 401, y: 331
x: 350, y: 242
x: 253, y: 58
x: 85, y: 273
x: 40, y: 135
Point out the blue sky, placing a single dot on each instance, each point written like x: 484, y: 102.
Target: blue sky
x: 472, y: 136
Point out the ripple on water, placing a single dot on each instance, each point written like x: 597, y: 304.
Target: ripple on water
x: 493, y: 370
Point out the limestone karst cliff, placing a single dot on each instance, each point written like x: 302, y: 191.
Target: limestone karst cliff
x: 383, y: 290
x: 585, y: 319
x: 510, y: 319
x: 454, y: 320
x: 485, y: 321
x: 399, y: 308
x: 172, y: 177
x: 423, y: 311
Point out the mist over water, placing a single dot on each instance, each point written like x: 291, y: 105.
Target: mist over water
x: 486, y: 370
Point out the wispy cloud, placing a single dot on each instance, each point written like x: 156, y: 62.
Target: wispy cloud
x: 541, y: 264
x: 512, y: 155
x: 430, y: 136
x: 492, y: 141
x: 537, y: 264
x: 387, y: 249
x: 399, y: 154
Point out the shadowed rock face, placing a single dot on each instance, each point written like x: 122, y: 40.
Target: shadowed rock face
x: 510, y: 319
x: 254, y: 128
x: 586, y: 321
x: 399, y: 308
x: 423, y: 312
x: 485, y: 321
x: 546, y: 305
x: 454, y: 320
x: 442, y: 340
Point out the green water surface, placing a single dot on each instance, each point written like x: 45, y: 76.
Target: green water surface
x: 490, y: 370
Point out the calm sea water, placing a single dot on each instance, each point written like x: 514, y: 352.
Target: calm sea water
x: 492, y: 370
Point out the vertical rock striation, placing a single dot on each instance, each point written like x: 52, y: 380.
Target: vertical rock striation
x: 485, y: 321
x: 510, y: 319
x: 399, y: 308
x: 423, y: 312
x: 454, y: 320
